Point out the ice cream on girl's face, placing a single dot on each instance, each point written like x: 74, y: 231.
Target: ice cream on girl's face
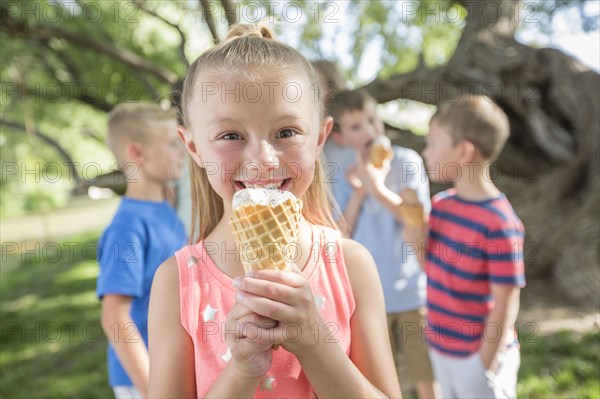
x: 271, y: 142
x: 280, y: 184
x: 261, y: 197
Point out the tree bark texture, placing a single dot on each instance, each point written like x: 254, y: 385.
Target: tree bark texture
x: 549, y: 167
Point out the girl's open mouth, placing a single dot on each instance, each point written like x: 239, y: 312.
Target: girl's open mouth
x: 278, y: 185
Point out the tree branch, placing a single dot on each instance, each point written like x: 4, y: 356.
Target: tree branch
x: 89, y: 133
x: 64, y: 58
x: 69, y: 93
x: 17, y: 28
x: 182, y: 39
x: 74, y: 72
x: 498, y: 15
x: 421, y: 85
x: 230, y: 12
x: 207, y: 11
x: 50, y: 141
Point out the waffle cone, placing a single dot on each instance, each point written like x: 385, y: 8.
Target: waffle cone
x: 266, y: 234
x: 379, y: 153
x: 412, y: 210
x: 413, y: 215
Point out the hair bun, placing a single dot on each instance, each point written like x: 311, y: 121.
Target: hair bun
x: 250, y: 30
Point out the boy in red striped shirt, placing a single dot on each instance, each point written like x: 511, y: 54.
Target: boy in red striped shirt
x: 474, y: 263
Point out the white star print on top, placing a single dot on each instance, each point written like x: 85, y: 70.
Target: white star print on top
x: 208, y: 314
x: 227, y: 356
x: 267, y: 383
x: 320, y: 301
x: 192, y: 261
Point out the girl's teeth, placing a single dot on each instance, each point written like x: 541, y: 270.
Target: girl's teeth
x: 270, y: 186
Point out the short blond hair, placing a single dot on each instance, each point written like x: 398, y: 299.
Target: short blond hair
x: 477, y: 119
x: 129, y: 122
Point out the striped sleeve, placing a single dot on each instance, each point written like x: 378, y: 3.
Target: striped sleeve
x: 504, y: 253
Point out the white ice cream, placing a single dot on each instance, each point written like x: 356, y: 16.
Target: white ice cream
x: 383, y: 141
x: 261, y: 196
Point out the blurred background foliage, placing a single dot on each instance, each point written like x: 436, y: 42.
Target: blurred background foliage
x: 64, y: 64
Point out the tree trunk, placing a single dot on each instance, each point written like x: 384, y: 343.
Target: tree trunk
x: 548, y: 168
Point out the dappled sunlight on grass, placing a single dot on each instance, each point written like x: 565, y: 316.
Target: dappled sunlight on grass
x: 51, y: 328
x: 561, y: 365
x: 77, y: 274
x: 19, y: 304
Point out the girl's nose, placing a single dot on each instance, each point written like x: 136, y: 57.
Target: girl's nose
x: 264, y: 158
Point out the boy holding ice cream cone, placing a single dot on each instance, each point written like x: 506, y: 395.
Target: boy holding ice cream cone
x: 376, y: 215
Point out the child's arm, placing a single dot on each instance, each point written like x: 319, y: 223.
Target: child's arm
x: 412, y: 174
x: 415, y: 241
x: 172, y: 362
x: 251, y: 354
x: 501, y: 319
x: 374, y: 184
x: 125, y: 339
x: 172, y: 370
x: 371, y: 372
x: 506, y: 270
x: 288, y: 298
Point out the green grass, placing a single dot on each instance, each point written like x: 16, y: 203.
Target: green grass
x: 562, y: 365
x: 52, y: 346
x: 51, y: 340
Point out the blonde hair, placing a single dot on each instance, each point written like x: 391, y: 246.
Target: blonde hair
x: 248, y: 50
x: 477, y: 119
x: 129, y: 122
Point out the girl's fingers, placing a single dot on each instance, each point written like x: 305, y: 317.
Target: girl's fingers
x: 256, y: 333
x: 266, y: 288
x: 296, y: 269
x: 258, y: 321
x: 254, y: 341
x: 293, y: 278
x: 266, y: 307
x: 250, y: 328
x: 256, y: 329
x: 287, y: 287
x: 237, y: 312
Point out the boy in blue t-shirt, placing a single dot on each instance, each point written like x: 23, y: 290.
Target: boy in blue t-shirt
x: 144, y: 232
x: 369, y: 197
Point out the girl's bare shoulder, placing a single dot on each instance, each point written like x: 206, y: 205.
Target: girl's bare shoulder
x: 167, y: 276
x: 358, y: 260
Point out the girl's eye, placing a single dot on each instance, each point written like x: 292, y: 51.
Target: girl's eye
x: 286, y: 133
x: 231, y: 136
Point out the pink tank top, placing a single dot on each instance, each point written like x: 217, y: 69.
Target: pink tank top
x: 207, y: 295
